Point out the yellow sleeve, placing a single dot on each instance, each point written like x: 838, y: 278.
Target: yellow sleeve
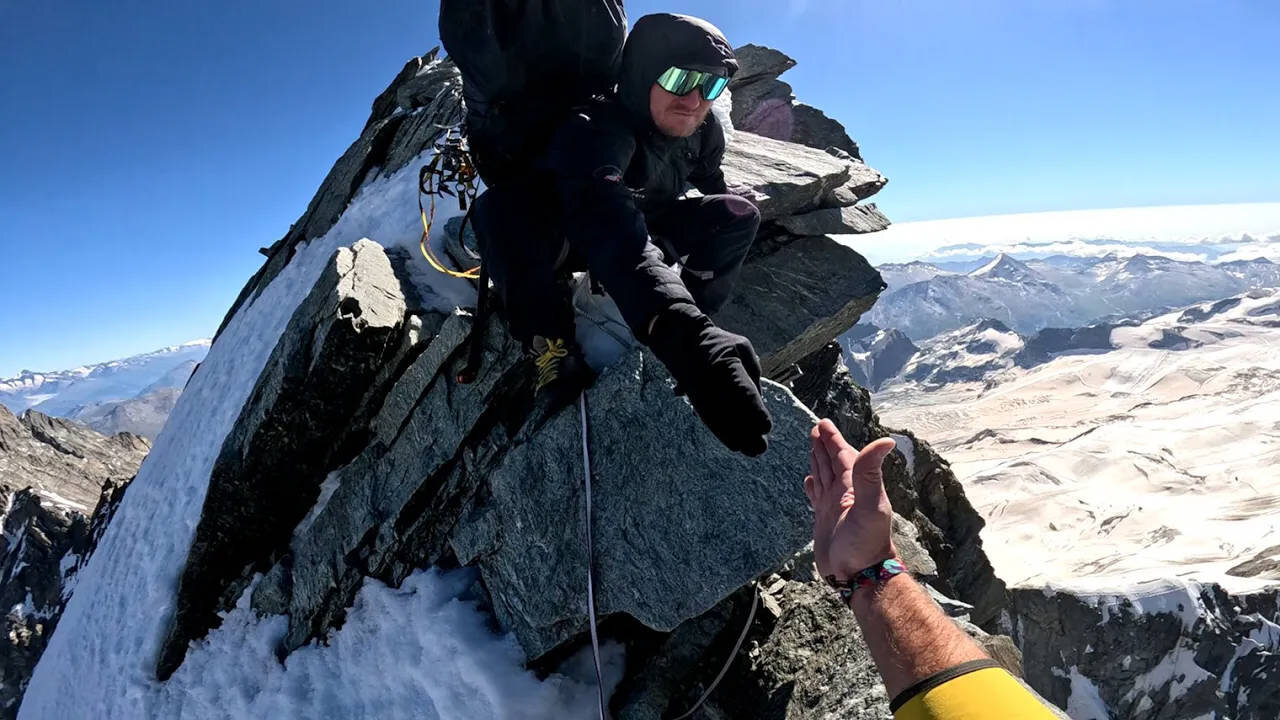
x: 972, y: 691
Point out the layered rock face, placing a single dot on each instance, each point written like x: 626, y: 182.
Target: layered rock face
x: 64, y: 461
x: 48, y: 468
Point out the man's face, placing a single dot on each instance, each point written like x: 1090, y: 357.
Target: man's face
x: 677, y: 115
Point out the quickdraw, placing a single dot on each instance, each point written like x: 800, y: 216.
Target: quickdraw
x: 451, y: 172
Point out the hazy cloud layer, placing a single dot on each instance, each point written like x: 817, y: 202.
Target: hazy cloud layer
x: 1187, y: 232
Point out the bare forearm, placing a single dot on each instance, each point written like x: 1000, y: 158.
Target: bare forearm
x: 909, y: 636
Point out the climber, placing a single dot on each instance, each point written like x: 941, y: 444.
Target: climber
x: 930, y: 668
x: 606, y: 196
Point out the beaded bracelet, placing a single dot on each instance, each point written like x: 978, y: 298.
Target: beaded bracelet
x: 869, y: 577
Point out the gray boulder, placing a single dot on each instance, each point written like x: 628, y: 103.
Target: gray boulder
x: 680, y: 522
x: 837, y: 221
x: 793, y: 301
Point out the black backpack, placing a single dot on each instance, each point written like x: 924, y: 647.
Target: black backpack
x: 525, y: 64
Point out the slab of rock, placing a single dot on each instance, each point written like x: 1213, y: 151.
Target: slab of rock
x: 391, y: 508
x: 295, y: 428
x: 679, y: 521
x: 837, y: 221
x: 792, y: 302
x: 782, y: 178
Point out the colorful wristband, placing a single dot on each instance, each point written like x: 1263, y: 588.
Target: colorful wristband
x: 869, y: 577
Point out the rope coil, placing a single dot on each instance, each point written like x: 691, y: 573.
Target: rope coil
x: 451, y: 172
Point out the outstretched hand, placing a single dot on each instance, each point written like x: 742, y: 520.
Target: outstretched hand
x: 852, y: 516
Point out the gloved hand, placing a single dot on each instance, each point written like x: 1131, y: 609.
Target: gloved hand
x: 720, y: 373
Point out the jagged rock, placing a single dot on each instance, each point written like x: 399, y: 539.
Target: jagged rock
x: 874, y: 359
x: 757, y: 62
x: 725, y: 518
x: 390, y: 509
x: 411, y: 115
x: 794, y: 301
x: 349, y: 329
x: 920, y: 484
x: 1264, y: 565
x: 63, y: 460
x: 812, y: 127
x: 765, y: 105
x: 837, y: 221
x: 1175, y: 651
x: 36, y: 536
x: 782, y: 178
x: 51, y: 472
x: 803, y: 657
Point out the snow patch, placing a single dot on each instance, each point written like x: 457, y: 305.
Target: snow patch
x: 1084, y: 702
x: 414, y: 651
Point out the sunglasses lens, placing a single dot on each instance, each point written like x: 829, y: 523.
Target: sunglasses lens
x: 678, y: 81
x: 713, y: 86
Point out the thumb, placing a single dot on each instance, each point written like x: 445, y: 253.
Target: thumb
x: 868, y: 468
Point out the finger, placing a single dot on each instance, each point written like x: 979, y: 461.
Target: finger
x: 813, y: 463
x: 822, y: 463
x: 808, y: 488
x: 868, y: 472
x: 839, y: 462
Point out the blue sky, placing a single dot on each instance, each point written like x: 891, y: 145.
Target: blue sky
x: 149, y: 148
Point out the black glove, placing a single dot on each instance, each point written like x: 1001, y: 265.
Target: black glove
x: 721, y: 374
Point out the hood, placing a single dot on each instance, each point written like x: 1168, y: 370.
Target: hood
x: 660, y: 41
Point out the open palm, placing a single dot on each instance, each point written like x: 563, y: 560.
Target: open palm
x: 852, y: 515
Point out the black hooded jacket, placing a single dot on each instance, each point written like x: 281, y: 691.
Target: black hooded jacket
x: 610, y: 154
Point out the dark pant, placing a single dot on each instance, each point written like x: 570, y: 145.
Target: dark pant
x: 528, y: 258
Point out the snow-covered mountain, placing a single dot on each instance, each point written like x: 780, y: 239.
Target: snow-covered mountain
x: 923, y: 300
x: 91, y: 392
x: 1175, y: 417
x: 1126, y: 473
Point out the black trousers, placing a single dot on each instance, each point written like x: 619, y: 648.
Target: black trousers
x: 529, y: 259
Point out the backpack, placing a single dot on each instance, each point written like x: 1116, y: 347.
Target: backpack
x: 525, y: 64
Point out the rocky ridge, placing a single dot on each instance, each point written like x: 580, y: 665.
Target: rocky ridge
x: 49, y: 468
x: 359, y: 455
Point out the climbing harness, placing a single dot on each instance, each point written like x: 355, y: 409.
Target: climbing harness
x: 591, y: 591
x: 452, y: 172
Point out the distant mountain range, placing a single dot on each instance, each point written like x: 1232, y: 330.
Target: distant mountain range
x: 135, y: 394
x: 924, y: 300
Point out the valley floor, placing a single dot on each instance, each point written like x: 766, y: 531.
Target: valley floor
x: 1114, y: 468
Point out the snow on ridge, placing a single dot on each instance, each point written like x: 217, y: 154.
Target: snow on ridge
x: 114, y: 622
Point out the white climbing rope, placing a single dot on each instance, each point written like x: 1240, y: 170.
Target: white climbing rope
x: 591, y: 591
x: 742, y: 637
